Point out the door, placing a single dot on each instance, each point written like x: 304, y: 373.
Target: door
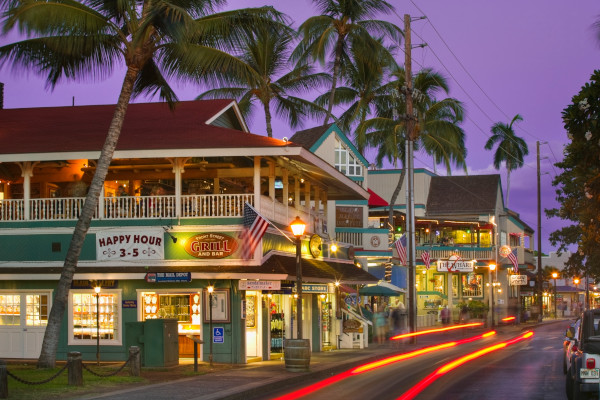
x: 23, y: 320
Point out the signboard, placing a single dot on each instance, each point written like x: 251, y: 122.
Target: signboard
x: 173, y: 277
x: 218, y: 334
x: 259, y: 285
x: 454, y: 264
x: 129, y: 303
x: 210, y: 245
x: 130, y: 245
x: 90, y: 284
x: 518, y: 280
x: 313, y: 288
x: 349, y: 217
x: 504, y: 251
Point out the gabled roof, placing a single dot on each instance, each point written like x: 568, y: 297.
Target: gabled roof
x: 312, y: 138
x: 475, y: 194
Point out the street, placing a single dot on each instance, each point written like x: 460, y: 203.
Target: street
x: 530, y: 369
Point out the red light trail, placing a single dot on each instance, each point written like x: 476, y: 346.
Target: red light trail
x: 449, y: 328
x: 429, y: 379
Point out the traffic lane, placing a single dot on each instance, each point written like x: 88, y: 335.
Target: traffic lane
x: 390, y: 381
x: 528, y: 371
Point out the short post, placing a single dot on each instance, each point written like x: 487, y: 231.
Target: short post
x: 3, y: 380
x: 135, y: 361
x: 75, y: 368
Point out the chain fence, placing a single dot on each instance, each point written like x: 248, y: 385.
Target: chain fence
x: 113, y: 373
x: 60, y: 371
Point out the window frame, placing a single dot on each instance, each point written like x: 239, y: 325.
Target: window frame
x: 23, y: 293
x: 117, y: 341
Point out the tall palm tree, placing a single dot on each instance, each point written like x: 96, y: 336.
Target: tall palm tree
x: 511, y: 148
x: 437, y: 126
x: 365, y: 85
x: 70, y: 39
x: 342, y: 25
x: 267, y: 53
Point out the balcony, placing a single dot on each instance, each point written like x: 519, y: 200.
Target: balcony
x: 155, y: 207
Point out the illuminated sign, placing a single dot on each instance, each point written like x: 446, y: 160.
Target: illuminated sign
x: 210, y: 245
x: 259, y: 285
x: 454, y: 264
x: 130, y: 245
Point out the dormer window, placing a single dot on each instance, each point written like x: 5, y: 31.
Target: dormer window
x: 345, y: 162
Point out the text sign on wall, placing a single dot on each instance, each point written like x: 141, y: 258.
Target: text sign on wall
x: 173, y: 277
x: 259, y: 285
x: 518, y: 280
x: 130, y: 245
x: 313, y: 288
x: 349, y: 217
x: 455, y: 266
x: 210, y: 245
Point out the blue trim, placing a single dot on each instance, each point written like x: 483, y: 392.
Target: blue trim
x: 353, y: 202
x: 356, y: 178
x: 373, y: 253
x: 362, y: 230
x: 398, y: 171
x: 343, y: 138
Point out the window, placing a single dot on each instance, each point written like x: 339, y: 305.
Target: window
x: 83, y: 326
x: 37, y: 310
x: 345, y: 162
x: 35, y: 306
x: 10, y: 309
x: 472, y: 285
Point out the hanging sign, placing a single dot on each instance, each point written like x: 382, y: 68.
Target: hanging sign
x: 130, y: 245
x: 518, y: 280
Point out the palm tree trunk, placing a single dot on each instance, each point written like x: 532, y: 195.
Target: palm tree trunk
x: 268, y: 118
x: 336, y: 71
x: 395, y: 196
x: 47, y: 357
x: 507, y: 185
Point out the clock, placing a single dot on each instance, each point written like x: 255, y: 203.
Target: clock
x: 314, y: 245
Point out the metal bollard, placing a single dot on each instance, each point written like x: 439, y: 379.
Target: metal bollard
x: 75, y: 368
x: 135, y: 361
x: 3, y: 380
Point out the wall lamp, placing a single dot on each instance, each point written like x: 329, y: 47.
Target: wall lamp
x: 173, y: 238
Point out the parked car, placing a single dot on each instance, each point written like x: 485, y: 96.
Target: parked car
x: 583, y: 373
x: 568, y: 342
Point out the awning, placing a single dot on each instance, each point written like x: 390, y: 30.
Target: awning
x: 382, y: 288
x: 375, y: 200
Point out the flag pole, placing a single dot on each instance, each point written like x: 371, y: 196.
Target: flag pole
x: 272, y: 224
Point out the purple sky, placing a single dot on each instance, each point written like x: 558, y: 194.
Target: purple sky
x: 526, y: 57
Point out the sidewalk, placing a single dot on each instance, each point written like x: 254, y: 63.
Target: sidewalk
x: 256, y: 378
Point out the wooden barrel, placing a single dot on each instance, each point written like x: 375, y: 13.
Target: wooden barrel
x: 297, y: 354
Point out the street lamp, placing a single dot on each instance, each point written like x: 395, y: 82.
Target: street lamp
x: 492, y: 268
x: 554, y: 276
x: 97, y: 290
x: 210, y: 327
x: 298, y: 226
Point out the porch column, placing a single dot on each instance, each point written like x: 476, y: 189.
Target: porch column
x: 178, y: 170
x: 307, y: 196
x: 27, y: 173
x: 271, y: 180
x: 286, y: 193
x: 297, y: 193
x: 316, y: 218
x: 257, y: 183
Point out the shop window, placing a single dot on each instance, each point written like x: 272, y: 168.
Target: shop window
x: 10, y: 309
x: 472, y: 285
x: 84, y: 317
x: 37, y: 310
x: 485, y: 238
x: 438, y: 283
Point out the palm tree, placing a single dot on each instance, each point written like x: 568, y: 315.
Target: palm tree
x: 365, y: 80
x: 437, y: 126
x: 70, y: 39
x: 343, y: 25
x: 511, y: 148
x: 267, y: 53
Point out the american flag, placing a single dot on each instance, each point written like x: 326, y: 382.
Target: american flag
x: 401, y: 249
x: 255, y: 226
x: 426, y: 259
x: 512, y: 256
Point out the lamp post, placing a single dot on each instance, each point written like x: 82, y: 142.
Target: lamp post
x: 554, y: 276
x: 210, y: 327
x: 298, y: 226
x: 97, y: 290
x: 492, y: 268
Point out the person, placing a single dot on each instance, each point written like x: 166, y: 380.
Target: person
x: 464, y: 315
x: 445, y: 315
x: 379, y: 322
x: 121, y: 191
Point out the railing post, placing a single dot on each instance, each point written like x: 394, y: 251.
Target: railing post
x: 75, y: 368
x: 3, y: 380
x: 134, y: 361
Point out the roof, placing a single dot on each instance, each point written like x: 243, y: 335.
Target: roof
x: 308, y: 137
x: 474, y: 194
x: 375, y: 200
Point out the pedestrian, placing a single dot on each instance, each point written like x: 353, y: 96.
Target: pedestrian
x: 380, y: 324
x: 445, y: 315
x: 464, y: 315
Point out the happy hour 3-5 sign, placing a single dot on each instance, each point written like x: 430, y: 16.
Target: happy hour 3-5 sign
x: 130, y: 245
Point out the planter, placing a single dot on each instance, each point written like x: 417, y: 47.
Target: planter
x: 297, y: 354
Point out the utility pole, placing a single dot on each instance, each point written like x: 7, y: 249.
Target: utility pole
x: 410, y: 215
x: 540, y: 277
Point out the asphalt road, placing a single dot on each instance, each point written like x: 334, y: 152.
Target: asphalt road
x: 528, y: 370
